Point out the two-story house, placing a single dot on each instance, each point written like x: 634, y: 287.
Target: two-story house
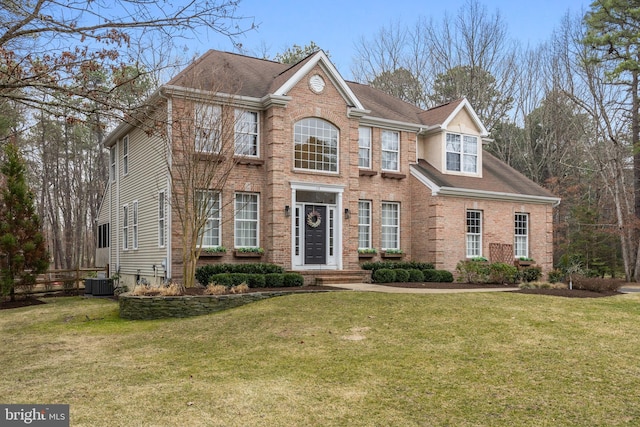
x: 333, y: 166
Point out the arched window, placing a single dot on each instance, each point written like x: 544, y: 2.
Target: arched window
x: 316, y: 145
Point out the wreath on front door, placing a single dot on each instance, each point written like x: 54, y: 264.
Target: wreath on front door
x: 314, y: 219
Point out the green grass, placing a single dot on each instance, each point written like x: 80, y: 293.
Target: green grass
x: 334, y: 359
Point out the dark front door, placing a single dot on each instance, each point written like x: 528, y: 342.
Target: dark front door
x: 315, y: 234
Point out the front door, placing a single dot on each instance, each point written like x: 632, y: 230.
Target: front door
x: 315, y: 234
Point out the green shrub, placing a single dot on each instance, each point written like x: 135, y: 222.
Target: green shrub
x: 256, y: 280
x: 530, y: 274
x: 438, y: 276
x: 383, y: 275
x: 392, y: 265
x: 416, y: 275
x: 500, y: 272
x: 472, y: 271
x: 444, y: 276
x: 402, y: 275
x: 431, y: 275
x: 292, y: 280
x: 205, y: 272
x: 556, y: 276
x: 274, y: 280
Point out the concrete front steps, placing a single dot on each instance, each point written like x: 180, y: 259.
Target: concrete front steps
x: 334, y: 277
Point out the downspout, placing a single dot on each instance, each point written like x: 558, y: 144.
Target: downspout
x: 117, y: 181
x: 169, y: 194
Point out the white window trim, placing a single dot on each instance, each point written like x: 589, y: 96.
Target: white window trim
x: 337, y: 171
x: 162, y: 219
x: 467, y: 233
x: 125, y: 227
x: 235, y: 219
x: 383, y: 150
x: 240, y: 111
x: 368, y: 225
x: 396, y: 226
x: 125, y: 155
x: 113, y: 156
x: 524, y: 236
x: 202, y: 117
x: 462, y: 154
x: 134, y: 224
x: 360, y: 147
x: 211, y: 217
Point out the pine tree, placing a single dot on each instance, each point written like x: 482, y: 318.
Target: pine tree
x: 23, y: 254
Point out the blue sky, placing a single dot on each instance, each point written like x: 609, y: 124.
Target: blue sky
x: 335, y: 25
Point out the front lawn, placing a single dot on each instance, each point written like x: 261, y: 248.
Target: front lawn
x: 334, y: 359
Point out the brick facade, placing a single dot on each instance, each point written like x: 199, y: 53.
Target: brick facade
x: 432, y: 226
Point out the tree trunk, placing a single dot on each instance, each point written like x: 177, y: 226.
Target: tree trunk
x: 635, y: 139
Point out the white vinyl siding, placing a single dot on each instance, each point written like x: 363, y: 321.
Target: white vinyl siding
x: 140, y: 185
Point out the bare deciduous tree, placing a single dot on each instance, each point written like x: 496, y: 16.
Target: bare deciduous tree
x: 201, y: 148
x: 49, y: 51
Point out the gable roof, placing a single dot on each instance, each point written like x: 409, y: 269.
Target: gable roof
x: 441, y: 115
x: 246, y: 76
x: 499, y: 181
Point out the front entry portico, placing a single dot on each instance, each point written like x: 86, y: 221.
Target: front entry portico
x: 316, y: 227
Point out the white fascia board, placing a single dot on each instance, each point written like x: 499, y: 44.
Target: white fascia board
x: 435, y: 189
x: 391, y: 124
x: 332, y: 72
x: 465, y: 104
x: 121, y: 130
x: 314, y: 186
x: 482, y: 194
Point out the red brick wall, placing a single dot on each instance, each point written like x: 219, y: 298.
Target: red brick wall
x: 440, y: 227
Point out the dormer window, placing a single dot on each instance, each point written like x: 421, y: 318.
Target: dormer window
x: 462, y: 153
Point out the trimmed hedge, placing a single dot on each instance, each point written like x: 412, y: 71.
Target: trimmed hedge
x: 402, y: 275
x: 388, y: 275
x: 416, y: 275
x: 383, y: 275
x: 271, y: 280
x: 204, y: 273
x: 392, y: 265
x: 291, y: 280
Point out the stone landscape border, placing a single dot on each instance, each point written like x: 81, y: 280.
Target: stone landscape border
x: 134, y: 307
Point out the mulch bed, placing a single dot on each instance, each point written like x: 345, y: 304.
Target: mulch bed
x: 200, y: 291
x: 22, y: 301
x: 567, y: 293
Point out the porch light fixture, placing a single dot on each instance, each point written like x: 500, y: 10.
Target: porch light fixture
x: 347, y: 214
x: 287, y: 211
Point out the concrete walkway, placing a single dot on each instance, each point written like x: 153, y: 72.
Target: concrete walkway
x: 371, y: 287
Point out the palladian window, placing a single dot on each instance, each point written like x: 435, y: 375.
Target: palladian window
x: 316, y: 145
